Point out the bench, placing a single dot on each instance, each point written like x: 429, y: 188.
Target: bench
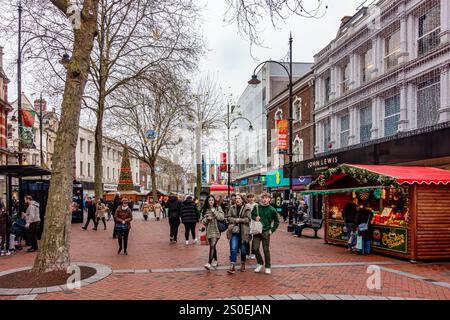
x: 316, y: 225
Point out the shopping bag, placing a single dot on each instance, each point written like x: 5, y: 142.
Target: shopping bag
x: 359, y: 242
x: 256, y: 226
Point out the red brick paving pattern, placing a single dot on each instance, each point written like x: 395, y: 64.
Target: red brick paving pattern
x: 149, y: 248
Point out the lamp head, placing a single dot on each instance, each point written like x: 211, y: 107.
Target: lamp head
x: 254, y: 81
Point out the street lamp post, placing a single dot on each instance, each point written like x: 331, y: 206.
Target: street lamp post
x: 19, y: 82
x: 254, y: 81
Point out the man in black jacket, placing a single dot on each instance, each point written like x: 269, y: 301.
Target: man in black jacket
x: 91, y: 209
x: 349, y: 213
x: 189, y: 216
x: 174, y: 211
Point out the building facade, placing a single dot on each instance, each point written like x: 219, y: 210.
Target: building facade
x: 5, y: 108
x: 249, y: 148
x: 112, y: 159
x: 382, y: 88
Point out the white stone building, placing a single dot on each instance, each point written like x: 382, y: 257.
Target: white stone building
x: 386, y: 72
x: 112, y: 159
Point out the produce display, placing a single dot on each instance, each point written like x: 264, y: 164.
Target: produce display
x: 394, y: 219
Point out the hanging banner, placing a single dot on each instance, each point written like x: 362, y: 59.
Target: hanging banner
x: 203, y: 170
x: 28, y: 117
x: 212, y: 170
x: 223, y: 162
x: 283, y: 136
x: 28, y: 138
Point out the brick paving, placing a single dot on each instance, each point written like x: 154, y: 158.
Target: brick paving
x: 154, y: 269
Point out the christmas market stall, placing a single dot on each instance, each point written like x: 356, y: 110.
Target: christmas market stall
x: 411, y: 207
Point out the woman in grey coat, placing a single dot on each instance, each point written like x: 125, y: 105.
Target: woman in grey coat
x: 239, y: 217
x: 212, y: 213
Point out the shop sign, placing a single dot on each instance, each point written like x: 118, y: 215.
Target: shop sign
x: 244, y: 182
x: 110, y: 187
x: 301, y: 181
x: 323, y: 163
x: 275, y: 179
x: 391, y: 239
x: 282, y: 133
x: 335, y: 231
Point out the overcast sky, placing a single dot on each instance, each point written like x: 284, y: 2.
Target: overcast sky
x: 229, y: 57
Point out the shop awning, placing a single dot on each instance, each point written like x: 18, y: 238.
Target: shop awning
x: 21, y: 171
x: 410, y: 175
x: 220, y: 187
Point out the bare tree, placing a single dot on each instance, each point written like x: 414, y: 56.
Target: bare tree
x: 249, y: 14
x: 156, y: 106
x: 135, y: 38
x: 54, y: 251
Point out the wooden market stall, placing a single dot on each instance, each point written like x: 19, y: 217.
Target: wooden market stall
x: 411, y: 207
x: 130, y: 195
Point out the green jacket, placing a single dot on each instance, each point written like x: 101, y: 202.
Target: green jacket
x: 268, y: 214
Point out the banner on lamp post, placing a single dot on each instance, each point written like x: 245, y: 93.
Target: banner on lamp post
x: 223, y: 162
x: 283, y: 136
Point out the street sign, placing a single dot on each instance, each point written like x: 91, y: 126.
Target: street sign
x: 150, y: 134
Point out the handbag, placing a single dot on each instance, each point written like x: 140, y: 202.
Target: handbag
x: 359, y: 242
x: 221, y: 225
x: 256, y: 226
x: 237, y: 227
x: 121, y: 227
x: 364, y: 226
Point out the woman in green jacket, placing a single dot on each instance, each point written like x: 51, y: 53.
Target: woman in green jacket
x: 212, y: 213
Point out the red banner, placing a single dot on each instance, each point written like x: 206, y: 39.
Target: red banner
x: 223, y: 162
x: 283, y: 134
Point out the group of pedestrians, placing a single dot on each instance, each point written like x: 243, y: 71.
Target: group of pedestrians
x: 357, y: 224
x: 22, y: 226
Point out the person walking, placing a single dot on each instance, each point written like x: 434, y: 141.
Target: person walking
x: 251, y: 201
x: 33, y: 219
x: 239, y: 216
x: 285, y: 210
x: 4, y: 229
x: 100, y: 214
x: 123, y: 218
x: 189, y: 216
x: 158, y: 209
x: 174, y: 212
x: 212, y: 213
x: 362, y: 222
x: 268, y: 217
x: 91, y: 210
x: 349, y: 213
x: 116, y: 204
x: 163, y: 206
x: 145, y: 210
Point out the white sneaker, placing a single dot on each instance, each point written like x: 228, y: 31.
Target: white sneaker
x: 268, y: 271
x: 208, y: 266
x: 252, y: 257
x: 214, y: 264
x: 258, y: 268
x: 187, y: 242
x: 195, y: 241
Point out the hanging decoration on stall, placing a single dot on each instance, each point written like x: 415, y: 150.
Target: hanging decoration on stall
x: 364, y: 196
x: 362, y: 176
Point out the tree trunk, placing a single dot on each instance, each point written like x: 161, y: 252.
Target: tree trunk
x: 53, y: 253
x: 98, y: 156
x: 153, y: 176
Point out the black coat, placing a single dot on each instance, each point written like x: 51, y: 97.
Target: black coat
x: 117, y: 202
x: 349, y: 212
x: 189, y: 212
x: 174, y: 208
x: 364, y: 216
x: 91, y: 209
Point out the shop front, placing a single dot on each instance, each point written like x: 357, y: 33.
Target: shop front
x: 411, y: 207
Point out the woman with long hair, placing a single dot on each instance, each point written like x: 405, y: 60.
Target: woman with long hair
x: 212, y: 213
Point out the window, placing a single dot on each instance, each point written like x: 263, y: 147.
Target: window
x: 114, y: 173
x: 114, y: 155
x: 366, y: 66
x: 108, y: 155
x: 392, y: 50
x: 298, y: 150
x: 327, y: 83
x: 365, y: 120
x: 345, y: 77
x: 391, y: 115
x: 89, y: 169
x: 429, y: 30
x: 81, y: 145
x: 89, y: 147
x: 137, y: 177
x: 326, y: 135
x: 428, y: 102
x: 81, y: 168
x: 107, y: 172
x: 34, y: 159
x: 298, y: 109
x: 345, y: 130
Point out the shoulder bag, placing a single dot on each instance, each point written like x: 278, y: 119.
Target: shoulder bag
x: 222, y: 225
x: 364, y: 226
x: 256, y: 226
x: 237, y: 227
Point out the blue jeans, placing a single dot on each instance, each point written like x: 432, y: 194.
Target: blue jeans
x: 366, y: 248
x: 235, y: 244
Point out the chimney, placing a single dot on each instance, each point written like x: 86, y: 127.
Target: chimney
x: 37, y: 105
x: 344, y: 20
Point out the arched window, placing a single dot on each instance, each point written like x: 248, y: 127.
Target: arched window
x: 298, y: 109
x: 298, y: 149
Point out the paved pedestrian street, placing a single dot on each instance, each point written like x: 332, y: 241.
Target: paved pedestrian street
x: 303, y: 268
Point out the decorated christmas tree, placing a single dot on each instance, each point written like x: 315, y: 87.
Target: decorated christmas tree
x: 125, y: 178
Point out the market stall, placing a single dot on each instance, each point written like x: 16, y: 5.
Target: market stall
x: 411, y: 207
